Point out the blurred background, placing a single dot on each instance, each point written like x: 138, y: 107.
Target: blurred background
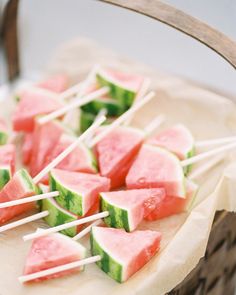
x: 44, y: 25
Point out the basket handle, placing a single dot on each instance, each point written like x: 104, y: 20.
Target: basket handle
x: 185, y: 23
x: 156, y: 9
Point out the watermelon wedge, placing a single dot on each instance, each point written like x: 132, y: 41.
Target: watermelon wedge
x: 50, y: 251
x: 78, y: 191
x: 123, y: 254
x: 3, y: 132
x: 58, y: 215
x: 123, y: 86
x: 58, y: 83
x: 174, y: 205
x: 32, y: 104
x: 156, y: 167
x: 116, y: 152
x: 19, y: 186
x: 128, y: 208
x: 7, y: 163
x: 178, y: 140
x: 81, y: 159
x: 45, y: 138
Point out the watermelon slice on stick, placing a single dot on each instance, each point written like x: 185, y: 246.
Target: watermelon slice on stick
x: 7, y: 163
x: 155, y: 167
x: 123, y: 86
x: 27, y: 147
x: 21, y: 185
x: 78, y: 191
x: 123, y: 254
x: 128, y: 208
x: 52, y: 251
x: 3, y: 132
x: 111, y: 255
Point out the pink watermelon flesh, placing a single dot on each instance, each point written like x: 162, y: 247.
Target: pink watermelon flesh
x: 45, y: 138
x: 176, y: 139
x: 32, y: 104
x: 155, y: 167
x: 138, y: 203
x: 116, y: 151
x: 58, y: 83
x: 27, y: 147
x: 131, y: 250
x: 80, y: 159
x: 53, y: 250
x: 8, y: 156
x: 88, y: 186
x: 18, y: 187
x: 3, y: 125
x: 129, y: 81
x: 173, y: 205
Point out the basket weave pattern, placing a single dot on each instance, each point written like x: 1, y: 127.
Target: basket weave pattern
x: 215, y: 273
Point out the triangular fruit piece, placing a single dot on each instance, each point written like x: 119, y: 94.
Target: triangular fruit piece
x: 78, y: 191
x: 128, y: 208
x: 58, y: 83
x: 53, y: 250
x: 156, y: 167
x: 116, y: 150
x: 123, y: 254
x: 177, y: 139
x: 3, y: 132
x: 45, y: 138
x: 7, y: 163
x: 19, y: 186
x: 174, y: 205
x: 123, y: 86
x: 81, y: 159
x: 27, y: 147
x: 58, y: 215
x: 33, y: 103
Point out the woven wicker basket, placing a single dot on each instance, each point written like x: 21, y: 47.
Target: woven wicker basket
x: 216, y: 272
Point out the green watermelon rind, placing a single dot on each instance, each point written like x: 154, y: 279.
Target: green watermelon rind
x: 27, y: 181
x: 86, y: 120
x: 5, y: 175
x: 124, y: 95
x: 108, y: 264
x: 112, y: 106
x: 190, y: 154
x: 3, y: 137
x: 58, y: 216
x: 118, y: 217
x: 68, y: 199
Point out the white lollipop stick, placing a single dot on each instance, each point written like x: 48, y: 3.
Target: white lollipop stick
x: 122, y: 118
x: 69, y: 149
x: 86, y: 230
x: 216, y: 141
x: 78, y: 102
x: 29, y: 199
x: 24, y: 221
x: 65, y: 226
x: 50, y: 271
x: 154, y: 124
x: 208, y: 154
x: 205, y: 167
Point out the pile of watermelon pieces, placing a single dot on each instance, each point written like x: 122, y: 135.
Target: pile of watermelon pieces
x: 133, y: 177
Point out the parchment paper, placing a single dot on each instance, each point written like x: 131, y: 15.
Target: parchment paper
x: 185, y: 236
